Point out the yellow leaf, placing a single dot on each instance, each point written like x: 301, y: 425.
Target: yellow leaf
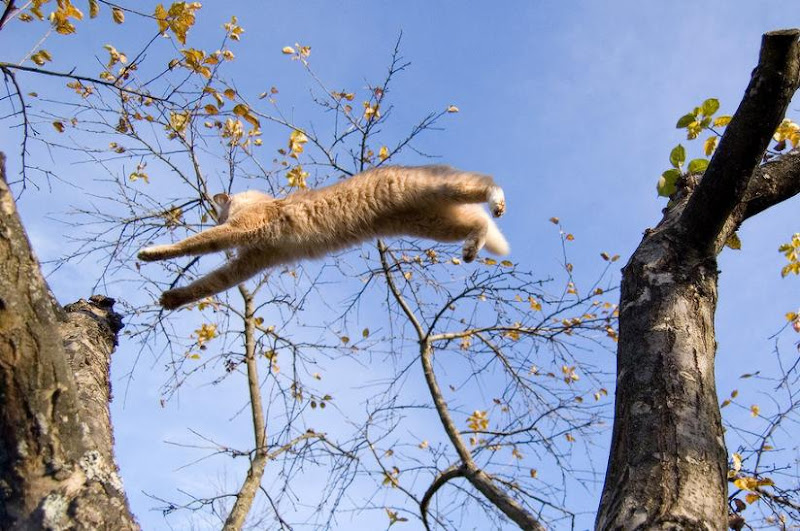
x: 41, y: 57
x: 787, y: 130
x: 734, y: 242
x: 179, y: 121
x: 229, y: 93
x: 490, y: 261
x: 754, y: 410
x: 115, y: 56
x: 393, y: 518
x: 752, y: 497
x: 297, y: 177
x: 211, y: 109
x: 118, y: 15
x: 554, y: 220
x: 478, y: 421
x: 94, y: 8
x: 288, y: 50
x: 60, y: 18
x: 452, y: 108
x: 534, y: 472
x: 722, y: 121
x: 180, y: 18
x: 710, y: 145
x: 161, y: 18
x: 383, y: 153
x: 737, y: 462
x: 296, y: 141
x: 205, y: 333
x: 58, y: 126
x: 746, y: 483
x: 233, y: 29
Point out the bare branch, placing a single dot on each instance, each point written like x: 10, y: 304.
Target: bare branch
x: 244, y: 500
x: 69, y: 75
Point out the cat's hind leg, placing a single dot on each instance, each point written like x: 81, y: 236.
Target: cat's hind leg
x: 241, y: 268
x: 497, y: 201
x: 468, y: 187
x: 210, y: 240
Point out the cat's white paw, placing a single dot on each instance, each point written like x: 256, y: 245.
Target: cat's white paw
x: 156, y: 252
x: 497, y: 201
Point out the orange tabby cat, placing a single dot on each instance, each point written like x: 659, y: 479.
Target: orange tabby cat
x: 435, y: 202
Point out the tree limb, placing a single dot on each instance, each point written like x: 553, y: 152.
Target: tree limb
x: 451, y: 473
x: 769, y: 185
x: 742, y: 147
x: 477, y: 477
x: 247, y: 494
x: 8, y: 67
x: 7, y: 12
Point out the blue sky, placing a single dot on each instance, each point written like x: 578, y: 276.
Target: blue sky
x: 570, y: 105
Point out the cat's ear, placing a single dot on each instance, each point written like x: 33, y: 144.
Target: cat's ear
x: 222, y: 199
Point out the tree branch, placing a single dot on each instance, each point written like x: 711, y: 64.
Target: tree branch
x: 769, y: 185
x: 7, y: 67
x: 7, y: 12
x: 244, y: 500
x: 742, y: 147
x: 451, y: 473
x: 479, y: 479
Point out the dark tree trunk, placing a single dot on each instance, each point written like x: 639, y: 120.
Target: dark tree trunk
x: 56, y: 461
x: 668, y: 462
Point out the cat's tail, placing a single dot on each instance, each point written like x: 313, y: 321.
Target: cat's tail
x: 495, y: 241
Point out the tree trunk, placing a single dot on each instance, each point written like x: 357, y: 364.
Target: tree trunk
x: 56, y: 461
x: 668, y: 462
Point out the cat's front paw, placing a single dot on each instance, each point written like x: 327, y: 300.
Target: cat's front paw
x: 174, y: 298
x: 497, y: 202
x: 150, y: 254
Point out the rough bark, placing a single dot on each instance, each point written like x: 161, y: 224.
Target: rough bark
x: 56, y: 464
x: 668, y: 462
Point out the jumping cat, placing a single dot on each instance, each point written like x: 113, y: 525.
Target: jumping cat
x: 435, y: 202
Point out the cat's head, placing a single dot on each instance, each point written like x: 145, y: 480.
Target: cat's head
x: 228, y: 205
